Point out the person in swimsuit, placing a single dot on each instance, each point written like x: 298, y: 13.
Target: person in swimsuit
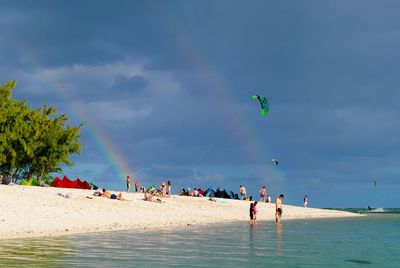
x: 128, y: 183
x: 263, y: 194
x: 106, y: 194
x: 242, y: 191
x: 169, y: 188
x: 278, y: 208
x: 136, y: 186
x: 255, y: 213
x: 196, y: 193
x: 163, y: 189
x: 149, y: 195
x: 305, y: 201
x: 109, y: 195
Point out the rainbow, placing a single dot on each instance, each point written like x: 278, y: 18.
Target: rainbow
x: 103, y: 142
x: 250, y: 141
x: 254, y: 147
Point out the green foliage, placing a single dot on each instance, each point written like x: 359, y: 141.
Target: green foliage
x: 34, y: 142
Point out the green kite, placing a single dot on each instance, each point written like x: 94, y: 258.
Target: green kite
x: 264, y: 104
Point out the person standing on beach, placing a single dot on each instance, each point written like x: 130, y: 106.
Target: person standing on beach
x: 163, y: 189
x: 128, y: 183
x: 268, y: 199
x: 305, y: 200
x: 278, y: 208
x: 253, y: 213
x: 136, y: 185
x: 263, y: 194
x: 242, y: 192
x: 169, y: 188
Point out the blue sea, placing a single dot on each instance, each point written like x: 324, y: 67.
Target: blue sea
x: 369, y: 241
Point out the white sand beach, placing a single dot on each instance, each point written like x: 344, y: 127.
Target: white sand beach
x: 39, y: 211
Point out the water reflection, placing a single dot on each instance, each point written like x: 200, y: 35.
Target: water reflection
x: 313, y: 243
x: 20, y: 252
x: 278, y: 239
x: 252, y: 235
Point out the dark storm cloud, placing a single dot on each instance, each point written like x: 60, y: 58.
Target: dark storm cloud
x: 164, y: 80
x: 130, y: 85
x: 87, y: 32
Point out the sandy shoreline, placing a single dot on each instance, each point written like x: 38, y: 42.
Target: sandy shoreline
x: 40, y: 211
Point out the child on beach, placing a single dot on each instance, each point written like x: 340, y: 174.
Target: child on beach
x: 278, y: 208
x: 253, y: 213
x: 305, y: 200
x: 268, y: 199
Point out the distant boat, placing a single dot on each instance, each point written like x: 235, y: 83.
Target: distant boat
x: 379, y: 210
x: 376, y: 210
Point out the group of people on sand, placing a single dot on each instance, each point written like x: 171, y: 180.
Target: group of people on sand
x: 196, y: 193
x: 278, y: 210
x: 128, y: 184
x: 153, y: 193
x: 264, y: 197
x: 164, y: 189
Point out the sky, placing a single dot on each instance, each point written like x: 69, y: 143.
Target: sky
x: 164, y: 89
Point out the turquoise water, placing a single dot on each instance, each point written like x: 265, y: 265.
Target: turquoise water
x: 372, y: 210
x: 370, y: 241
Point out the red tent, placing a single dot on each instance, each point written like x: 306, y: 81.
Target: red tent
x: 85, y: 185
x: 67, y: 183
x: 56, y: 182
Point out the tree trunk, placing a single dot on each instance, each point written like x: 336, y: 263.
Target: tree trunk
x: 41, y: 174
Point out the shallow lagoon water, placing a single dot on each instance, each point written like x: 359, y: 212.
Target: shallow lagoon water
x: 370, y: 241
